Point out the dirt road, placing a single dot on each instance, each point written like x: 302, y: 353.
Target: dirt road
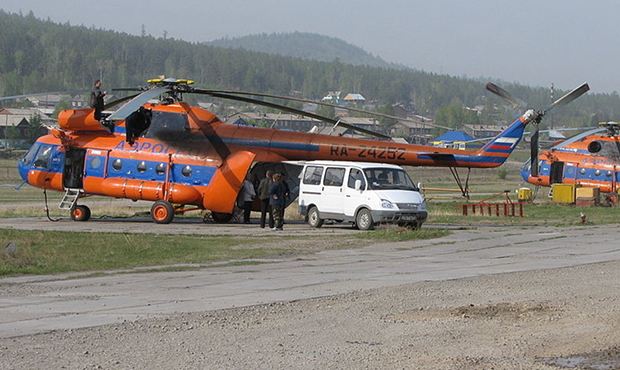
x: 483, y: 298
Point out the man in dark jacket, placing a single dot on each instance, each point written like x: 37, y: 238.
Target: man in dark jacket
x: 277, y: 200
x: 263, y: 195
x: 96, y: 99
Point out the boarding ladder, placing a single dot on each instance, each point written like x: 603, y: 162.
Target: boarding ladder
x: 69, y: 199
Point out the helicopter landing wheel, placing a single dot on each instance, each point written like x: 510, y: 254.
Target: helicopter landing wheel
x: 162, y: 212
x: 221, y: 218
x: 80, y: 213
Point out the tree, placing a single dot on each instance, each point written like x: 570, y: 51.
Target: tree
x: 34, y: 129
x: 455, y: 116
x: 62, y: 105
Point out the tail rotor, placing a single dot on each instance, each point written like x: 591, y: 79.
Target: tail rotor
x: 537, y: 116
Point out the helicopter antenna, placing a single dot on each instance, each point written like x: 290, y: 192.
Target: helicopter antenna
x: 552, y: 98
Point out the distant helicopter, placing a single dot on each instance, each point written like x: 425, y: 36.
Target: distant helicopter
x: 182, y: 158
x: 589, y: 159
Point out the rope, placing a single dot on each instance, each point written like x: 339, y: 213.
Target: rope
x: 47, y: 209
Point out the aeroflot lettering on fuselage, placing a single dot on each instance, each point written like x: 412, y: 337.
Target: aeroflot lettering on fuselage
x: 145, y: 147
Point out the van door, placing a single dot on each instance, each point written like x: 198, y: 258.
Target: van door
x: 310, y: 187
x: 354, y: 198
x: 333, y: 197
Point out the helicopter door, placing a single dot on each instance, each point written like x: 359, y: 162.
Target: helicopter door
x: 555, y: 176
x: 74, y: 168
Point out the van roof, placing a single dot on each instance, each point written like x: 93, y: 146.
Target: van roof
x: 362, y: 165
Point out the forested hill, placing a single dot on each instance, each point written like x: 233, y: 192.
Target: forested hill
x: 306, y: 46
x: 37, y: 55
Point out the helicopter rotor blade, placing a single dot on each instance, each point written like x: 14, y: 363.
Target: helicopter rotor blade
x: 568, y: 97
x: 135, y: 103
x: 534, y: 151
x: 284, y: 108
x: 504, y: 95
x: 118, y: 101
x: 291, y: 98
x: 128, y: 89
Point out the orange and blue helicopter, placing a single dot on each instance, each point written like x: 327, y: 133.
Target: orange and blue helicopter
x: 589, y: 159
x: 158, y: 148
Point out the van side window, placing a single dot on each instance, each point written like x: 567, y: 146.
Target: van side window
x: 313, y: 174
x: 356, y: 174
x: 334, y: 176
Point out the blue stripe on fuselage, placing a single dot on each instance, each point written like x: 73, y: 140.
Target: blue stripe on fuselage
x: 272, y: 144
x: 491, y: 150
x: 463, y: 158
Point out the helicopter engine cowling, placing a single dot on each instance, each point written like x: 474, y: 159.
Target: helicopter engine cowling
x: 79, y: 120
x: 595, y: 147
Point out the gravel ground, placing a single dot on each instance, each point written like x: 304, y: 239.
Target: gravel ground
x: 567, y: 317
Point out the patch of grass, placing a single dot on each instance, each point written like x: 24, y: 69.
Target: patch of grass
x: 402, y: 234
x: 534, y: 214
x: 47, y: 252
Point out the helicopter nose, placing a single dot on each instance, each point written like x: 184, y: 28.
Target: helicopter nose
x: 525, y: 171
x: 22, y: 168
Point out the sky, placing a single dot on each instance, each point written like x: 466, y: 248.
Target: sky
x: 531, y: 42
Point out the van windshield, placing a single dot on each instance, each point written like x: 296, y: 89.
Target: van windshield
x: 389, y: 178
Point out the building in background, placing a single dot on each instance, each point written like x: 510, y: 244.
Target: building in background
x: 455, y: 140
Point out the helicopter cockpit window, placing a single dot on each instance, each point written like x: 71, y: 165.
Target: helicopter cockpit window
x: 27, y: 159
x: 43, y: 158
x: 166, y: 124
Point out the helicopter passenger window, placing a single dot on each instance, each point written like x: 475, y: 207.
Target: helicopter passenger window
x: 43, y: 158
x: 160, y: 169
x: 141, y: 167
x: 95, y: 162
x: 167, y: 123
x: 117, y: 164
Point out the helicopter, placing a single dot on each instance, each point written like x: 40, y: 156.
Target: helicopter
x: 588, y: 159
x: 158, y: 148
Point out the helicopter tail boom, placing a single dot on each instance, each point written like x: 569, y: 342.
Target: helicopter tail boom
x: 305, y: 146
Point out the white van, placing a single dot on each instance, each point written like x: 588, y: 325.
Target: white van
x: 358, y: 192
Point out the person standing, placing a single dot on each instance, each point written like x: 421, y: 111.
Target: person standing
x: 263, y: 195
x: 287, y: 194
x: 96, y: 99
x: 277, y: 200
x: 247, y: 195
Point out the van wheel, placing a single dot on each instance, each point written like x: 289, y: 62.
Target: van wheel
x: 413, y: 226
x: 80, y: 213
x: 364, y: 219
x: 313, y: 218
x: 162, y: 212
